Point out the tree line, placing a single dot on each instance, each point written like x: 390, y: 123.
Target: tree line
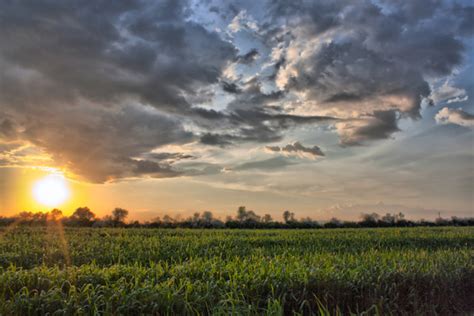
x: 84, y: 217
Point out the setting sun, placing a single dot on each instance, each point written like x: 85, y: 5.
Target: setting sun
x: 51, y: 190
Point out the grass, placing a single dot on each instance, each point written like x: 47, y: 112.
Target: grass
x: 274, y: 272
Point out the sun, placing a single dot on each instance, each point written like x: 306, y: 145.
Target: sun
x: 51, y: 190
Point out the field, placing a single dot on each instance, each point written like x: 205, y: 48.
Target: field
x: 159, y: 271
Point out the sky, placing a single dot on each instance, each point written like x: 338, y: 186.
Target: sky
x: 325, y: 108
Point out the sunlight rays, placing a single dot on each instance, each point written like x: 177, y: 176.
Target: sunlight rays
x: 55, y: 229
x: 54, y: 235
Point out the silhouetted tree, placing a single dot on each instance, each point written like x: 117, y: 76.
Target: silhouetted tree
x: 241, y: 213
x: 393, y: 219
x: 389, y: 219
x: 82, y: 216
x: 369, y: 220
x: 207, y: 217
x: 267, y: 218
x: 167, y: 219
x: 25, y: 216
x: 56, y: 214
x: 251, y: 216
x: 288, y: 216
x: 244, y: 219
x: 119, y: 215
x: 333, y: 223
x: 135, y: 224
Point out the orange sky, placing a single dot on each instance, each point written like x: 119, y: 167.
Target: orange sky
x: 148, y: 198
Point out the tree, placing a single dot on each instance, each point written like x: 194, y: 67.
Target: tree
x: 119, y: 215
x: 333, y: 223
x: 207, y: 217
x: 56, y: 214
x: 369, y: 220
x: 168, y: 219
x: 394, y: 219
x: 251, y: 216
x: 389, y: 219
x: 82, y: 216
x: 288, y: 216
x: 241, y: 214
x: 25, y: 216
x: 267, y: 218
x: 248, y: 217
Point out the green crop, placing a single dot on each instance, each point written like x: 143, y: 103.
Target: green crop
x: 275, y: 272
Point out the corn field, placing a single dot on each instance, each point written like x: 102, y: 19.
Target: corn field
x: 113, y: 271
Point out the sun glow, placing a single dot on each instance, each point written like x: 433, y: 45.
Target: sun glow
x: 51, y: 190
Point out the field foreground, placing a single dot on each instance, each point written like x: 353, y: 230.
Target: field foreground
x: 157, y: 271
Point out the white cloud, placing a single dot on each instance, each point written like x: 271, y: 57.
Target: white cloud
x: 454, y: 116
x: 243, y: 21
x: 448, y: 93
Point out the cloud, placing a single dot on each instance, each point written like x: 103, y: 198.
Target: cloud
x: 454, y: 116
x: 466, y: 16
x: 380, y: 125
x: 99, y: 87
x: 297, y: 149
x: 243, y: 21
x: 216, y: 139
x: 448, y: 93
x: 196, y: 168
x: 159, y: 156
x: 230, y: 87
x: 153, y: 169
x: 256, y: 116
x: 249, y: 57
x: 266, y: 164
x: 101, y: 144
x: 7, y: 129
x: 257, y: 125
x: 356, y: 60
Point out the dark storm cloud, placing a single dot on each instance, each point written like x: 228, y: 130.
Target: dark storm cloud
x: 216, y: 139
x: 153, y: 169
x: 466, y: 26
x: 371, y: 56
x: 70, y: 70
x: 253, y: 117
x: 297, y: 149
x: 348, y: 72
x: 382, y: 124
x: 259, y: 126
x: 168, y: 156
x: 343, y: 97
x: 99, y: 143
x: 230, y: 87
x: 7, y: 129
x: 98, y: 86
